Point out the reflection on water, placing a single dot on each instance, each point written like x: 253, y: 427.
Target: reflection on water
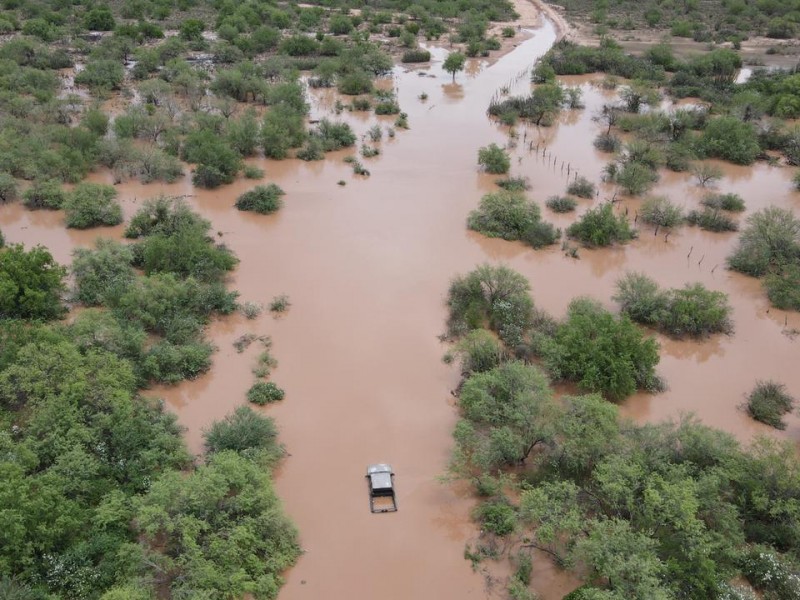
x: 366, y: 267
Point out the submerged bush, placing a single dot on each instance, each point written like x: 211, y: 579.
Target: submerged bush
x: 660, y: 212
x: 783, y: 287
x: 514, y: 184
x: 770, y: 240
x: 729, y: 202
x: 691, y: 311
x: 490, y: 297
x: 101, y: 272
x: 264, y: 199
x: 243, y: 431
x: 92, y: 205
x: 711, y: 220
x: 416, y: 55
x: 582, y: 188
x: 769, y: 402
x: 47, y: 194
x: 561, y: 204
x: 479, y: 350
x: 494, y: 159
x: 264, y: 392
x: 601, y: 352
x: 600, y: 227
x: 31, y: 284
x: 510, y: 216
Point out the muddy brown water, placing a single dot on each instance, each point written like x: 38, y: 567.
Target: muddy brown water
x: 366, y: 267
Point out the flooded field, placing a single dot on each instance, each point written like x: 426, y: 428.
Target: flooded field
x: 366, y: 267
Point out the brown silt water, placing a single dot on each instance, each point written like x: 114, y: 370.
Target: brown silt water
x: 366, y: 267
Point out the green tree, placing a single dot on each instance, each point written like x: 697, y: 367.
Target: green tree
x: 264, y: 199
x: 454, y: 63
x: 9, y: 191
x: 601, y: 227
x: 31, y: 283
x: 730, y: 139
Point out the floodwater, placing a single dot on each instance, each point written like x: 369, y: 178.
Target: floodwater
x: 366, y: 267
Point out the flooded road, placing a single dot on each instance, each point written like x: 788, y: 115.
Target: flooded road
x: 366, y: 267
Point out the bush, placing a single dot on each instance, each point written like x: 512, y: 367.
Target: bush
x: 600, y: 227
x: 730, y: 139
x: 99, y: 19
x: 334, y: 136
x: 101, y: 75
x: 766, y: 570
x: 582, y: 188
x: 264, y: 199
x: 387, y: 107
x: 636, y: 178
x: 243, y: 431
x: 561, y: 204
x: 494, y: 159
x: 769, y: 402
x: 711, y: 220
x: 416, y: 55
x: 770, y: 240
x: 105, y: 270
x: 660, y: 212
x: 510, y: 216
x: 729, y: 202
x: 355, y: 83
x: 601, y: 352
x: 252, y: 172
x: 262, y: 393
x: 31, y: 284
x: 92, y: 205
x: 46, y: 194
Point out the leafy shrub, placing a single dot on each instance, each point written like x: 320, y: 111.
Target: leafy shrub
x: 494, y: 159
x: 99, y: 18
x: 105, y: 270
x: 416, y: 55
x: 101, y: 75
x: 561, y: 204
x: 92, y: 205
x: 768, y: 403
x: 252, y: 172
x: 280, y: 304
x: 660, y: 212
x: 217, y: 163
x: 31, y: 284
x: 387, y: 107
x: 46, y: 194
x: 601, y: 352
x: 771, y: 239
x: 729, y: 202
x: 262, y: 393
x: 692, y: 311
x: 711, y: 220
x: 600, y: 227
x: 243, y: 431
x: 510, y: 216
x: 635, y: 177
x: 355, y: 83
x: 263, y: 199
x: 582, y: 188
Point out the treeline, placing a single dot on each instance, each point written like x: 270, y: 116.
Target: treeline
x: 675, y: 510
x: 701, y: 20
x: 100, y: 498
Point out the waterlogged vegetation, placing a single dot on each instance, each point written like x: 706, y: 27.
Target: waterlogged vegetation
x: 509, y: 215
x: 671, y: 510
x: 100, y: 495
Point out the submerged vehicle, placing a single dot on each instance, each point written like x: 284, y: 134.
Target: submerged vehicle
x: 380, y: 478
